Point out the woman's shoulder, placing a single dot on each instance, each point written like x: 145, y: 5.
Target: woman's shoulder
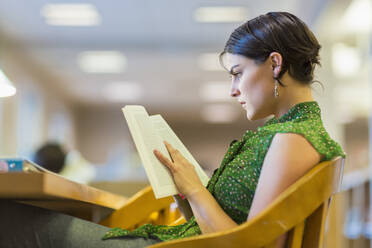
x: 311, y: 129
x: 295, y: 145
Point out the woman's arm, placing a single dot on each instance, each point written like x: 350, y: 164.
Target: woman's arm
x: 208, y: 213
x: 289, y: 157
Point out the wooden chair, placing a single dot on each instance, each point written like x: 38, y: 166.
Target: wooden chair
x: 143, y: 208
x: 301, y: 210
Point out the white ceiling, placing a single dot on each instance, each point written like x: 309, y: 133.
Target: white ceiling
x: 159, y: 38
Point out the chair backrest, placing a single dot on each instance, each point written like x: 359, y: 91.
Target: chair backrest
x: 300, y: 210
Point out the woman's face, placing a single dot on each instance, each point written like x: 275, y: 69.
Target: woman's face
x: 252, y: 84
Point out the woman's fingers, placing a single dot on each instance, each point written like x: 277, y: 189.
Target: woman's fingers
x: 170, y: 150
x: 164, y: 160
x: 174, y: 153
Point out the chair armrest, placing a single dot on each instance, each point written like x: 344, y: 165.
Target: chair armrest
x: 136, y: 209
x: 179, y: 221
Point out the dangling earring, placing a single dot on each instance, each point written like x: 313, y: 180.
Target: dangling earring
x: 276, y: 93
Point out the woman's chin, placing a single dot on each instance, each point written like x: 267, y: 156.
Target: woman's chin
x: 251, y: 115
x: 250, y: 118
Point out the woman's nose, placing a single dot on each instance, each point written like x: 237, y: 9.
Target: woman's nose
x: 234, y: 91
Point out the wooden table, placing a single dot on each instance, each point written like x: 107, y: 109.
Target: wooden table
x: 60, y: 194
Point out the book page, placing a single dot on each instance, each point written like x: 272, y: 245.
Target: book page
x: 146, y: 140
x: 151, y: 141
x: 169, y: 135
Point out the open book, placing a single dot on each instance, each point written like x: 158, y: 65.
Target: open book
x: 148, y: 133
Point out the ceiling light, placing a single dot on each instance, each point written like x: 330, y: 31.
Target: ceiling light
x: 210, y: 62
x: 346, y: 60
x: 221, y: 14
x: 102, y: 62
x: 122, y: 92
x: 215, y: 91
x: 6, y: 87
x: 219, y: 113
x: 70, y: 14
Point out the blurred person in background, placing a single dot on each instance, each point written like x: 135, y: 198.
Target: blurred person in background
x: 51, y: 156
x: 71, y: 165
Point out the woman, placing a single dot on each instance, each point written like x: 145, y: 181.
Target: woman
x: 271, y: 59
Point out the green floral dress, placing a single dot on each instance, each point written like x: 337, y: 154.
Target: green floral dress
x: 234, y: 183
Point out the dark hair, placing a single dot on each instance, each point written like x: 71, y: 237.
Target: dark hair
x: 51, y: 156
x: 279, y: 32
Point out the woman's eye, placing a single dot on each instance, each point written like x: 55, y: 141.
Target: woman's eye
x: 236, y: 75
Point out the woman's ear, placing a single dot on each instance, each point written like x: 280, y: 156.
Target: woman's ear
x: 276, y: 63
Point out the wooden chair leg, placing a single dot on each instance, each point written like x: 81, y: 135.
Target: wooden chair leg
x: 295, y: 236
x: 313, y: 237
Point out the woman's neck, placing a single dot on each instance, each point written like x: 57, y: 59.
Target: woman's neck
x: 290, y: 96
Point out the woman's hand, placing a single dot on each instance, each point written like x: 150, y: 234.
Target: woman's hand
x: 183, y: 172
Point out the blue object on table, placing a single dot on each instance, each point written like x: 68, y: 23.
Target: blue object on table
x: 17, y: 165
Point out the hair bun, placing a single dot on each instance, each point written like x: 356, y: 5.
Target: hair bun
x: 258, y: 37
